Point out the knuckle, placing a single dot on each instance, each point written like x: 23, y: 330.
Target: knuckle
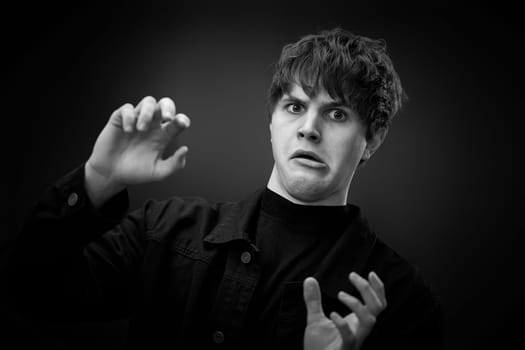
x: 147, y: 112
x: 167, y: 101
x: 147, y: 105
x: 371, y: 320
x: 366, y: 287
x: 128, y: 112
x: 121, y: 110
x: 149, y: 98
x: 128, y: 117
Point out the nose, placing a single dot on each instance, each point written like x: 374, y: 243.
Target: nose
x: 309, y: 129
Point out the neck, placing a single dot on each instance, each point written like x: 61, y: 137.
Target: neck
x: 275, y: 185
x: 305, y: 218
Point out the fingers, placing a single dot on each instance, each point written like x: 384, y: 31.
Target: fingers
x: 167, y: 108
x: 146, y: 110
x: 129, y: 117
x: 378, y: 287
x: 347, y: 336
x: 369, y: 294
x: 312, y: 299
x: 373, y: 294
x: 176, y: 161
x: 364, y: 315
x: 179, y: 123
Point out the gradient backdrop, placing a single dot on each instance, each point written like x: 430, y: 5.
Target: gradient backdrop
x: 441, y: 190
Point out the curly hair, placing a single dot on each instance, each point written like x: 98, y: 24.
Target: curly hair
x: 353, y: 69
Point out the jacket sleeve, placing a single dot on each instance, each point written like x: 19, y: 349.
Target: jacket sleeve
x: 71, y: 261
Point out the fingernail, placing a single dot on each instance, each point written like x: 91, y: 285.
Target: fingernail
x: 184, y: 120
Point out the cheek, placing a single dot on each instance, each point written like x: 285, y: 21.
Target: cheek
x: 278, y: 140
x: 350, y: 151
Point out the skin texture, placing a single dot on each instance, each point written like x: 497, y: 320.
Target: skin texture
x: 336, y: 137
x: 132, y: 148
x: 139, y: 145
x: 337, y: 332
x: 328, y: 129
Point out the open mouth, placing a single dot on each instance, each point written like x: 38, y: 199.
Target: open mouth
x: 309, y: 159
x: 307, y: 156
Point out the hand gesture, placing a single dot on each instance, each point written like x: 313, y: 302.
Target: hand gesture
x: 130, y: 148
x: 340, y: 333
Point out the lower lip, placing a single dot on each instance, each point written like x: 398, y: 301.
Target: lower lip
x: 310, y: 163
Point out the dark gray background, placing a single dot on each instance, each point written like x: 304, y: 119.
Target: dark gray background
x: 442, y: 190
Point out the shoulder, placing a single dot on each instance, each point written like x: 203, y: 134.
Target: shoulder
x: 412, y: 303
x: 403, y: 280
x: 196, y: 213
x: 176, y: 209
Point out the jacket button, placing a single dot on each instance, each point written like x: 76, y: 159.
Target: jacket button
x: 246, y: 257
x: 218, y: 337
x: 72, y: 199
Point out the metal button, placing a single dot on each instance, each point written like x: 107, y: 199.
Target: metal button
x: 72, y: 199
x: 218, y: 337
x: 246, y: 257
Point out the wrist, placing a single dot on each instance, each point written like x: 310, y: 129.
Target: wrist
x: 100, y: 188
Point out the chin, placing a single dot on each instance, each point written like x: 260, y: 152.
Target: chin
x: 307, y: 191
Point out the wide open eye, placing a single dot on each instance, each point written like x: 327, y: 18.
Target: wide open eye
x: 294, y: 108
x: 337, y: 115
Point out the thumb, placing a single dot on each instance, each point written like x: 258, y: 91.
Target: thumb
x: 312, y: 299
x: 166, y: 167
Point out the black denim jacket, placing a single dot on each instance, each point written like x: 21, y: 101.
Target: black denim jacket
x: 184, y: 270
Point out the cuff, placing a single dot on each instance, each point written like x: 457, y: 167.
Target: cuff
x: 74, y: 201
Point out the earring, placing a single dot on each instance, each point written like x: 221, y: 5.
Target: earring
x: 366, y: 155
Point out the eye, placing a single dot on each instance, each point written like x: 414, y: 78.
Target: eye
x: 337, y: 115
x: 294, y: 108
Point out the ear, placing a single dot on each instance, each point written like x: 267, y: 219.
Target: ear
x: 373, y: 144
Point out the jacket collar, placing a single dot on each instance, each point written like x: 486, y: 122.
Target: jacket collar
x: 238, y: 220
x: 350, y: 253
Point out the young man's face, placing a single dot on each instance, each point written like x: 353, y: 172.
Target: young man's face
x: 317, y: 144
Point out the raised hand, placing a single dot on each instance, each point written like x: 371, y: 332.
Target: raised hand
x: 337, y: 332
x: 131, y: 148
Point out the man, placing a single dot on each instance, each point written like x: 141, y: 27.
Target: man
x: 293, y: 266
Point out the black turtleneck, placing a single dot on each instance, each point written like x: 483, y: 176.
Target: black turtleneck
x: 291, y: 240
x: 305, y: 218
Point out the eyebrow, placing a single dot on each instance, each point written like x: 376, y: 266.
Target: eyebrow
x: 333, y: 104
